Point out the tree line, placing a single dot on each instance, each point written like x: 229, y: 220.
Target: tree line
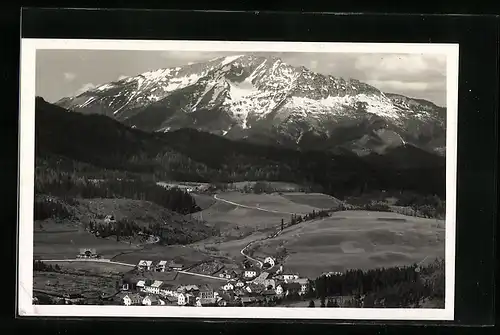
x: 71, y: 185
x: 385, y: 287
x: 105, y: 143
x: 38, y: 265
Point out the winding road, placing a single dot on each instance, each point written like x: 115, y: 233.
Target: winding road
x: 251, y: 207
x: 242, y: 251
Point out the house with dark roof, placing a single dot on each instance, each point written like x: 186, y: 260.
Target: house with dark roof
x: 144, y: 265
x: 161, y: 266
x: 132, y: 299
x: 150, y: 300
x: 175, y: 266
x: 260, y: 278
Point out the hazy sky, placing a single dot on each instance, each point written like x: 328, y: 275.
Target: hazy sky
x: 62, y: 73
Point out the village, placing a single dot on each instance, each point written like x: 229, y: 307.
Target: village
x: 250, y: 286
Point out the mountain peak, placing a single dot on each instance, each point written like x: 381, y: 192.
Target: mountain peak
x: 256, y: 96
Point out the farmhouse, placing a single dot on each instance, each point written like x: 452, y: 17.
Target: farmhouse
x: 205, y: 301
x: 175, y: 266
x: 290, y: 277
x: 206, y: 292
x: 270, y: 261
x: 269, y: 293
x: 167, y: 291
x: 132, y: 299
x: 161, y: 266
x: 153, y: 287
x: 150, y: 300
x: 185, y: 299
x: 125, y: 286
x: 279, y: 290
x: 144, y: 265
x: 250, y: 273
x: 141, y: 285
x: 228, y: 287
x: 254, y: 288
x: 87, y: 253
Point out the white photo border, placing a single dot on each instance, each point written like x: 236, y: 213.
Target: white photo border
x: 25, y: 306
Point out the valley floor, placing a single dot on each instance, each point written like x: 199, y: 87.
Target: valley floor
x: 251, y: 227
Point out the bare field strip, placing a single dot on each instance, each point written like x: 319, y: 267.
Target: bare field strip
x: 316, y: 200
x: 67, y: 245
x: 179, y: 253
x: 273, y: 202
x: 94, y: 267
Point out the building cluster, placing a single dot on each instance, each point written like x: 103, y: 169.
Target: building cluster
x: 161, y: 266
x: 241, y: 288
x: 88, y: 253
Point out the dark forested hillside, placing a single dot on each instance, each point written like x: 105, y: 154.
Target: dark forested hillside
x: 97, y: 146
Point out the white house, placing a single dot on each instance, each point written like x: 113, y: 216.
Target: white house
x: 168, y: 292
x: 250, y: 273
x: 132, y: 299
x: 144, y: 265
x: 161, y: 266
x: 149, y: 300
x: 279, y: 289
x: 127, y: 301
x: 270, y: 261
x: 109, y: 219
x: 290, y: 277
x: 176, y: 266
x: 269, y: 283
x: 184, y: 299
x: 239, y: 283
x: 154, y: 288
x: 141, y: 285
x: 228, y: 287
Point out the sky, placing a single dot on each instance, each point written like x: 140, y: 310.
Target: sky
x: 63, y: 73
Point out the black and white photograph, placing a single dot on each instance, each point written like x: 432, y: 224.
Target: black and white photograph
x: 226, y: 179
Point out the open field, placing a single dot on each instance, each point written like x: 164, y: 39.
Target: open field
x: 277, y: 185
x: 181, y: 254
x: 66, y: 244
x: 247, y: 212
x: 70, y: 283
x: 272, y: 202
x: 94, y: 267
x: 228, y: 217
x: 316, y: 200
x: 357, y: 239
x: 204, y: 201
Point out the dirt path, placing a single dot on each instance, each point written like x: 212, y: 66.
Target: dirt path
x: 251, y: 207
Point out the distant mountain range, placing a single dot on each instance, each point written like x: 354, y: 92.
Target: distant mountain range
x: 263, y: 100
x: 98, y: 146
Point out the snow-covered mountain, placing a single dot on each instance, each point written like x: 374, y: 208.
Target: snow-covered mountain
x: 263, y: 99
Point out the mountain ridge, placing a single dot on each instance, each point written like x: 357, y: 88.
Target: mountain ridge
x: 256, y: 98
x: 188, y: 154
